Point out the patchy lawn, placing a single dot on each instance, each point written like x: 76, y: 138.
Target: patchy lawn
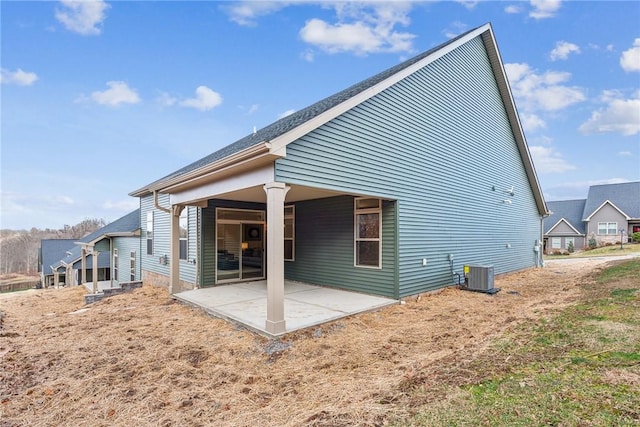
x: 143, y: 359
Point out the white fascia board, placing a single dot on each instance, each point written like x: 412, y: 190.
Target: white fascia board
x: 226, y: 185
x: 225, y: 162
x: 514, y: 118
x: 627, y: 217
x: 566, y: 222
x: 283, y: 140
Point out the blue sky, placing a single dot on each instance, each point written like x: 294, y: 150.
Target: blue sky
x: 101, y: 98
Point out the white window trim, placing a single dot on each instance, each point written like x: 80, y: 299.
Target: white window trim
x: 149, y: 230
x: 357, y: 212
x: 569, y: 239
x: 291, y: 216
x: 116, y: 270
x: 556, y: 241
x: 606, y: 228
x: 132, y: 268
x: 184, y: 215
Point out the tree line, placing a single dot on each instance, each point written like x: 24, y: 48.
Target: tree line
x: 19, y: 248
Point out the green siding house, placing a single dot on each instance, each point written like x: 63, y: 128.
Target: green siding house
x: 388, y: 187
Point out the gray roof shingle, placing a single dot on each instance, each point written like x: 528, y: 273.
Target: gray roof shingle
x: 625, y: 196
x: 127, y: 224
x: 300, y: 117
x: 53, y: 250
x: 570, y: 210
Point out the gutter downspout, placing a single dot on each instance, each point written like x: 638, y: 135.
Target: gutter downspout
x: 157, y: 205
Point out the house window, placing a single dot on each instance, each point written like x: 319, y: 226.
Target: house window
x: 569, y: 241
x: 556, y: 243
x: 149, y: 233
x: 132, y: 266
x: 115, y: 264
x: 608, y: 228
x: 184, y: 233
x: 289, y: 233
x: 368, y: 232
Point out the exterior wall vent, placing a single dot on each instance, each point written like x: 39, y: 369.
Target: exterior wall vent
x: 479, y: 278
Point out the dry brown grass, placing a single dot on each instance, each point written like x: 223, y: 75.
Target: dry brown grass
x: 143, y: 359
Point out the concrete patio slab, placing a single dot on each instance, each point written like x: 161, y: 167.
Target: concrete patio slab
x: 304, y: 305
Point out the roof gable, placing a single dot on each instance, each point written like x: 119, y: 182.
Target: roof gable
x: 568, y: 210
x: 624, y: 197
x: 274, y: 138
x: 567, y: 223
x: 125, y: 226
x: 53, y: 250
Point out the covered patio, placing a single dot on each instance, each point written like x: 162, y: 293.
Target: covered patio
x: 304, y: 305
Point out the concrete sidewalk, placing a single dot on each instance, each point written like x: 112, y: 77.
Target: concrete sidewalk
x: 304, y: 305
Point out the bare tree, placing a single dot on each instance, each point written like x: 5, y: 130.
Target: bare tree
x: 19, y: 248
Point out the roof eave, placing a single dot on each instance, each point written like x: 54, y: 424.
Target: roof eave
x: 489, y: 41
x: 225, y: 163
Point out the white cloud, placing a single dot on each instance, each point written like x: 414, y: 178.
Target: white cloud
x: 118, y: 93
x: 308, y: 55
x: 362, y: 28
x: 625, y: 153
x: 469, y: 4
x: 18, y: 77
x: 563, y: 49
x: 60, y: 200
x: 121, y: 205
x: 548, y: 160
x: 166, y: 100
x: 513, y: 9
x: 246, y: 13
x: 531, y: 122
x: 286, y: 113
x: 455, y: 29
x: 253, y: 108
x: 83, y: 17
x: 544, y: 8
x: 619, y: 115
x: 542, y: 92
x: 630, y: 59
x: 206, y: 99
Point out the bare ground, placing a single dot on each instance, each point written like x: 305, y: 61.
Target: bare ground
x: 143, y: 359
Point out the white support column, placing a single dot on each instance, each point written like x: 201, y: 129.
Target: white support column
x: 94, y: 258
x: 56, y: 278
x: 276, y: 193
x: 174, y: 257
x: 83, y: 278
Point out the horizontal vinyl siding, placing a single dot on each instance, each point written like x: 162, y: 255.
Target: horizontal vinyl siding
x: 324, y: 247
x: 438, y: 142
x: 161, y: 239
x: 125, y: 246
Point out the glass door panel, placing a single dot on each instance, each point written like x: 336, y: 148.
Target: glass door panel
x: 228, y: 251
x: 252, y: 251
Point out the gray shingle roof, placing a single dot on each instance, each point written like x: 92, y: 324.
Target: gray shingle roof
x: 53, y: 250
x: 570, y: 210
x: 127, y: 224
x: 300, y: 117
x: 625, y: 196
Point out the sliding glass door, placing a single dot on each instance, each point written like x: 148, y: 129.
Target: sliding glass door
x: 239, y: 245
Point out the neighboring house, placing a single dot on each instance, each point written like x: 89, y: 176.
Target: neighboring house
x: 117, y: 246
x: 50, y: 253
x: 388, y: 187
x: 564, y: 226
x: 611, y: 208
x: 609, y: 214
